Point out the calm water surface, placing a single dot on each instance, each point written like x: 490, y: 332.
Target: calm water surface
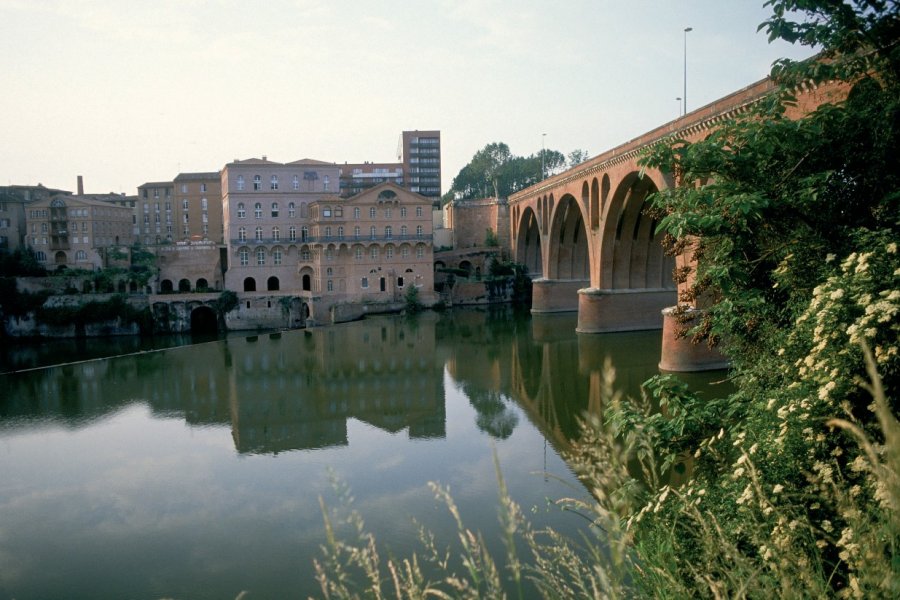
x: 195, y: 471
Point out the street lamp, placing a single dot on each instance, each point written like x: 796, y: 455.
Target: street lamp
x: 543, y: 137
x: 684, y: 96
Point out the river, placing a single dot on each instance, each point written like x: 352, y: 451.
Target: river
x: 195, y: 471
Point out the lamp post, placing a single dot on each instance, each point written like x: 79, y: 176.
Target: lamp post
x: 543, y: 170
x: 684, y: 95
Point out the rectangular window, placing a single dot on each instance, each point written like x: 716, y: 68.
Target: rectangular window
x: 365, y: 283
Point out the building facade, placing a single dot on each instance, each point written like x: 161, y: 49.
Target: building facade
x: 266, y: 214
x: 13, y: 202
x: 418, y: 168
x: 370, y: 248
x: 198, y: 207
x: 154, y: 214
x: 75, y: 231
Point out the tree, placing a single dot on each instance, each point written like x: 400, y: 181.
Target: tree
x: 495, y: 170
x: 578, y: 156
x: 793, y: 228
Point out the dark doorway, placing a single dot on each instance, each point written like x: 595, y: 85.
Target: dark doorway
x: 165, y: 286
x: 184, y: 285
x: 249, y: 285
x: 272, y: 284
x: 202, y: 285
x: 383, y: 284
x: 306, y: 283
x: 203, y: 321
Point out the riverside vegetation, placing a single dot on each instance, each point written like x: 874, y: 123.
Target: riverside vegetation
x: 794, y: 487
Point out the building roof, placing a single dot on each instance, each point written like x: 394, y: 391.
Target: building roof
x: 156, y: 184
x: 311, y: 161
x: 197, y: 176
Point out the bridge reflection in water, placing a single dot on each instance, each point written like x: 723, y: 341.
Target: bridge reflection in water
x: 279, y: 392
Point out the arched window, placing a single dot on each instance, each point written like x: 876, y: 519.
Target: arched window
x: 260, y: 256
x: 244, y: 255
x: 329, y: 254
x: 276, y: 234
x: 359, y: 253
x: 341, y: 232
x: 329, y: 272
x: 257, y: 183
x: 273, y: 182
x: 330, y: 285
x: 402, y: 212
x: 304, y: 233
x: 304, y: 254
x: 292, y: 208
x: 272, y: 284
x: 389, y: 252
x: 356, y: 232
x: 240, y: 183
x: 242, y: 210
x: 420, y: 251
x: 249, y: 285
x: 257, y: 210
x: 328, y: 231
x: 242, y: 234
x: 276, y: 256
x: 404, y: 251
x: 356, y: 213
x: 418, y: 231
x: 274, y: 209
x: 259, y: 236
x: 372, y: 232
x: 403, y: 230
x: 372, y: 213
x: 418, y: 211
x: 388, y: 232
x: 373, y: 252
x: 292, y: 233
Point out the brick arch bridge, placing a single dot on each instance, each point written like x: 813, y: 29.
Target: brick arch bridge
x: 589, y: 245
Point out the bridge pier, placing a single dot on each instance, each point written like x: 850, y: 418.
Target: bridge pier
x: 680, y: 354
x: 555, y: 295
x: 604, y: 311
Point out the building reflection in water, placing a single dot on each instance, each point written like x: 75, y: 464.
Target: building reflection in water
x: 295, y: 391
x: 277, y: 392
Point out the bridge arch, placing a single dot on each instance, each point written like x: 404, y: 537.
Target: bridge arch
x: 631, y: 254
x: 528, y: 242
x: 568, y: 252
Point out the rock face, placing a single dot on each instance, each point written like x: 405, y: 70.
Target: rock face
x: 30, y: 325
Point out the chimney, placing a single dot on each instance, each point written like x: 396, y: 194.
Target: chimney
x: 80, y: 186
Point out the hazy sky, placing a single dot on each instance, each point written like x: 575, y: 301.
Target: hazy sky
x: 129, y: 91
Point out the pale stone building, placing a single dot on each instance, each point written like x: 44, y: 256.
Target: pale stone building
x: 370, y: 248
x: 75, y: 231
x: 266, y: 208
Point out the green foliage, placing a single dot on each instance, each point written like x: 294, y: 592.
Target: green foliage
x: 490, y: 238
x: 411, y: 298
x: 577, y: 156
x: 117, y: 307
x: 225, y: 303
x: 21, y: 262
x: 19, y: 303
x: 494, y: 170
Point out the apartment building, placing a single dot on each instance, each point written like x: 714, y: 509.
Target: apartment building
x: 154, y: 219
x: 266, y: 213
x: 369, y: 248
x: 198, y: 207
x: 75, y: 231
x: 418, y: 168
x: 13, y: 202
